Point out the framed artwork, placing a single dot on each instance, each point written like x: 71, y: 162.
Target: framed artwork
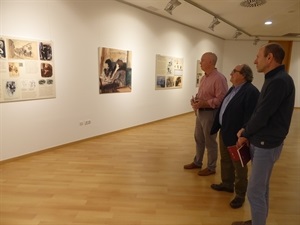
x: 169, y: 72
x: 114, y: 70
x: 26, y: 70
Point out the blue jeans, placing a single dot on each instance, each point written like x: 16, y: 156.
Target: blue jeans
x: 263, y: 161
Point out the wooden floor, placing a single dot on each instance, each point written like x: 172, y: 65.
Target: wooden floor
x: 136, y: 177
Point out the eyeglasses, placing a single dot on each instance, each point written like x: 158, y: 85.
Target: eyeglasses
x: 234, y: 71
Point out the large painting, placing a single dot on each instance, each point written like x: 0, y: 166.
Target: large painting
x: 26, y: 70
x: 169, y: 72
x: 114, y: 70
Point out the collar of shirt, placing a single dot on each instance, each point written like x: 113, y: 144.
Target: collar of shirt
x: 207, y: 74
x: 238, y: 87
x: 274, y: 71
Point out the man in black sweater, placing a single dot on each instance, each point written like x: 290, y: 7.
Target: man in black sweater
x: 267, y: 128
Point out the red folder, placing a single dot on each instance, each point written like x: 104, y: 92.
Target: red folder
x: 233, y: 153
x: 241, y: 154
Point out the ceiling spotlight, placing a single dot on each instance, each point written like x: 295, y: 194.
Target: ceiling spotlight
x: 252, y: 3
x: 214, y: 23
x: 237, y: 34
x: 256, y: 40
x: 172, y: 5
x: 268, y: 22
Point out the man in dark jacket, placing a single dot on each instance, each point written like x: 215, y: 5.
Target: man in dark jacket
x: 267, y: 128
x: 235, y: 111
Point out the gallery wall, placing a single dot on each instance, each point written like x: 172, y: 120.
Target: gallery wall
x: 77, y: 29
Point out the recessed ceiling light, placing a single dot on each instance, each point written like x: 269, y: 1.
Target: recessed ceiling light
x: 268, y: 22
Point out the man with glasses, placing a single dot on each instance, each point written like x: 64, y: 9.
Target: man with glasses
x: 235, y: 111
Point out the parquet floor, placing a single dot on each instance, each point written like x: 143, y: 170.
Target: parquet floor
x: 136, y: 177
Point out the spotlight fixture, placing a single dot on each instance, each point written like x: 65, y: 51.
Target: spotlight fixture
x: 214, y: 23
x: 252, y: 3
x: 256, y: 40
x: 269, y: 22
x: 172, y: 5
x: 237, y: 34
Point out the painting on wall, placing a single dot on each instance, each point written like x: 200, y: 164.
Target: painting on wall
x: 114, y: 70
x: 169, y: 72
x: 26, y: 70
x: 199, y: 74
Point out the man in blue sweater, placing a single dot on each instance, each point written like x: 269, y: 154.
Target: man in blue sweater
x: 267, y: 128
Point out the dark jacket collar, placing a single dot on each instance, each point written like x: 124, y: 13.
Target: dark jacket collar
x: 274, y: 71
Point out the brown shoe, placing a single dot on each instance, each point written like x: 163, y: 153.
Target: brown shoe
x: 206, y: 172
x: 248, y: 222
x: 191, y: 166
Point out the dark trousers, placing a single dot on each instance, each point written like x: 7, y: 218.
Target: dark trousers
x: 232, y: 172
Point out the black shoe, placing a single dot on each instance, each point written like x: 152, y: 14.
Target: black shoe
x: 237, y: 202
x: 249, y: 222
x: 221, y: 187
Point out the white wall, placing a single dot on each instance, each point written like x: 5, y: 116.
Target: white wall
x: 77, y: 29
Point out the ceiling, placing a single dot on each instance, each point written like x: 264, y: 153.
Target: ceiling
x: 198, y: 14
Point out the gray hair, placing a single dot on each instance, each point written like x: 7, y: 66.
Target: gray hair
x: 213, y: 57
x: 246, y: 71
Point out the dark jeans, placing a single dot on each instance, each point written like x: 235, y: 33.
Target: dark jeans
x: 232, y: 172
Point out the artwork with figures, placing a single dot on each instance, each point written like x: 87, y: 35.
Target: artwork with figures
x: 169, y: 72
x: 26, y: 70
x: 114, y: 70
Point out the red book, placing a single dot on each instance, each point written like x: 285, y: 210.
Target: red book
x: 241, y: 154
x: 233, y: 153
x: 244, y: 154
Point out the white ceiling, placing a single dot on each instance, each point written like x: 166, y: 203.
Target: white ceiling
x: 198, y: 14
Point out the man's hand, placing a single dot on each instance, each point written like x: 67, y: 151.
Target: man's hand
x: 239, y: 133
x: 241, y: 140
x: 196, y: 104
x: 194, y: 101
